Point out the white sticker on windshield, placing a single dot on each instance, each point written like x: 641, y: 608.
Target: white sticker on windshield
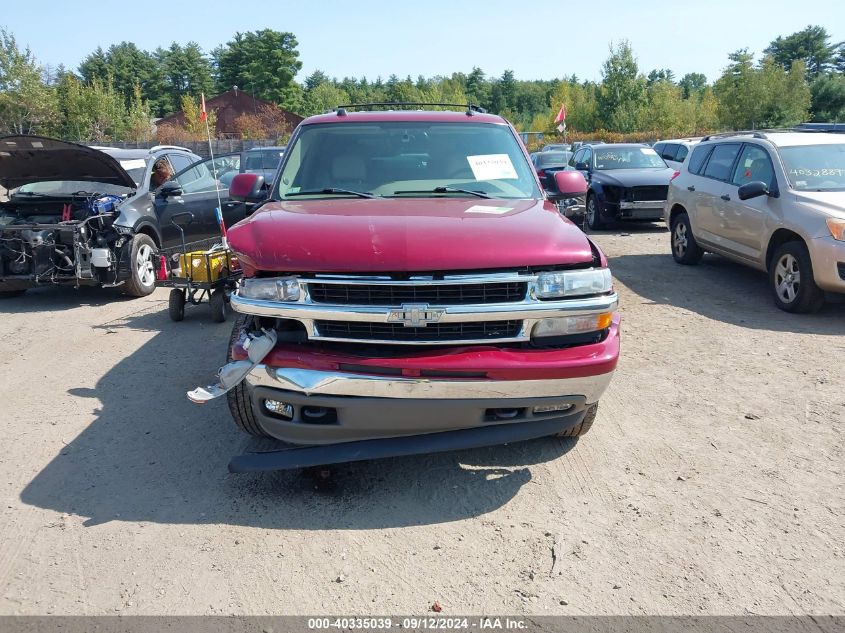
x: 480, y: 208
x: 491, y: 166
x: 137, y: 163
x: 648, y: 151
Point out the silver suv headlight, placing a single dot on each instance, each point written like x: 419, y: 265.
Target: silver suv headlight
x: 574, y: 283
x: 270, y: 289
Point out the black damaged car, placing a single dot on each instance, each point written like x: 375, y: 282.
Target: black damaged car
x: 79, y: 215
x: 626, y: 182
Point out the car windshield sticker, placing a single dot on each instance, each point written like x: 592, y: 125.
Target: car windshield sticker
x: 648, y: 151
x: 491, y: 166
x: 137, y: 163
x: 480, y: 208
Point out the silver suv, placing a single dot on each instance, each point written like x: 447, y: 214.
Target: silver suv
x: 771, y: 200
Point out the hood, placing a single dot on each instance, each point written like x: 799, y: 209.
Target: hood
x: 406, y: 235
x: 28, y: 159
x: 635, y: 177
x: 830, y: 202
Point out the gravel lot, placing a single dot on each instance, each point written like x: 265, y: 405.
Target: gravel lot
x: 711, y: 483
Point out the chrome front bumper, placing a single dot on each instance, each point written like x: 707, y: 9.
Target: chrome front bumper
x: 313, y: 382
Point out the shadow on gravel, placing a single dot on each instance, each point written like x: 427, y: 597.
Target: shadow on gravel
x: 151, y: 455
x: 721, y: 290
x: 55, y: 298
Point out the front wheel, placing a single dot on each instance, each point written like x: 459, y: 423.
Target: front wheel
x: 581, y: 429
x: 791, y: 277
x: 142, y: 279
x: 593, y: 214
x: 685, y: 250
x: 239, y: 398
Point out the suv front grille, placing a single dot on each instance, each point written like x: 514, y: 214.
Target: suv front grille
x: 643, y: 194
x: 434, y: 333
x: 394, y: 295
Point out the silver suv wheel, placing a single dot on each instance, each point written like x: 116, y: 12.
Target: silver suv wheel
x: 787, y: 278
x: 679, y: 239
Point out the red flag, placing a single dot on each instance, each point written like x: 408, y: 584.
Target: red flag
x: 561, y: 114
x: 203, y: 115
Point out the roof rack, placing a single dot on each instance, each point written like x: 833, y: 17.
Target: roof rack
x: 754, y: 133
x: 471, y: 108
x: 156, y: 148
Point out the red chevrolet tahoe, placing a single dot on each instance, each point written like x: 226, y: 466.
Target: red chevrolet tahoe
x: 422, y: 292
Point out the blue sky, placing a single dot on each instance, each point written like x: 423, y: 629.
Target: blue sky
x: 542, y: 40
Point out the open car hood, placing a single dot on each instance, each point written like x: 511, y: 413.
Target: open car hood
x: 28, y: 159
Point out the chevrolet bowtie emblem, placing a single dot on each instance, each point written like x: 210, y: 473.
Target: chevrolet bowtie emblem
x: 414, y: 315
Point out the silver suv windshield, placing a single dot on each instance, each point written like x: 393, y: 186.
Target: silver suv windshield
x: 815, y: 167
x: 407, y: 159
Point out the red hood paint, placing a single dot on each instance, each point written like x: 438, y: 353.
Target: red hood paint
x: 406, y: 235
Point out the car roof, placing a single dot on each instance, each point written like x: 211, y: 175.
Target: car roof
x: 119, y: 153
x: 620, y: 145
x: 696, y: 139
x: 430, y: 116
x: 780, y: 138
x: 270, y: 148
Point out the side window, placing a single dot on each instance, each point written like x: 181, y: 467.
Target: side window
x: 699, y: 156
x: 683, y: 150
x: 658, y: 147
x: 669, y: 152
x: 197, y: 179
x: 588, y: 157
x: 754, y: 164
x: 721, y: 161
x: 180, y: 161
x: 161, y: 172
x: 576, y: 158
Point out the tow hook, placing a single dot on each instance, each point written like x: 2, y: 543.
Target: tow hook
x: 229, y: 376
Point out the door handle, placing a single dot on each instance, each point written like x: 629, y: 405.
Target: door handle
x: 691, y: 188
x: 725, y: 196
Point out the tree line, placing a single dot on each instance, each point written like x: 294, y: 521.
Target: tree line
x: 114, y: 93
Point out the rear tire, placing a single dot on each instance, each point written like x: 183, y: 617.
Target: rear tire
x: 792, y: 281
x: 239, y: 398
x: 581, y: 429
x: 142, y: 279
x: 217, y: 302
x: 685, y: 250
x: 592, y: 215
x: 176, y: 304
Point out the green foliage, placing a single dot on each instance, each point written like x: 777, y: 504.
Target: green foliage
x: 828, y: 98
x: 27, y: 105
x: 810, y: 45
x: 692, y: 83
x: 263, y: 63
x: 622, y: 94
x: 185, y: 70
x: 92, y: 112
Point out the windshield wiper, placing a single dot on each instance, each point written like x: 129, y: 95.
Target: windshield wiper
x: 331, y: 191
x: 469, y: 192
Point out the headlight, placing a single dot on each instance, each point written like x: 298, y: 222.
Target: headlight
x: 574, y: 283
x: 836, y: 228
x: 272, y: 289
x: 561, y: 326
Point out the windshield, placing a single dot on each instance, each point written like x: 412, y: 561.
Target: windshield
x: 552, y: 159
x: 628, y: 158
x: 60, y: 188
x: 409, y: 159
x: 815, y: 167
x: 263, y: 160
x: 135, y: 167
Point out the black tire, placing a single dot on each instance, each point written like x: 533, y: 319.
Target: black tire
x: 217, y: 303
x: 685, y: 250
x: 141, y: 284
x: 582, y: 428
x: 592, y: 214
x: 11, y: 294
x: 176, y: 304
x: 791, y: 278
x: 240, y: 402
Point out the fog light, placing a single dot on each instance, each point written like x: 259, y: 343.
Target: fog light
x: 281, y: 409
x: 551, y: 408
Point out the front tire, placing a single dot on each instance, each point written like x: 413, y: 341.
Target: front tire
x: 792, y: 281
x: 685, y: 250
x: 217, y: 303
x: 593, y: 214
x: 239, y: 398
x: 142, y: 278
x: 176, y: 304
x: 581, y: 429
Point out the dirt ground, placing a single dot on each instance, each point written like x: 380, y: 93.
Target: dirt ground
x: 711, y: 483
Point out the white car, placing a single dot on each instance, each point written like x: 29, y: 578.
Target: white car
x: 675, y: 150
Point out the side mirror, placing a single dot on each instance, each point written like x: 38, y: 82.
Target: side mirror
x: 582, y: 166
x: 571, y: 184
x: 753, y: 189
x: 170, y: 188
x: 247, y: 188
